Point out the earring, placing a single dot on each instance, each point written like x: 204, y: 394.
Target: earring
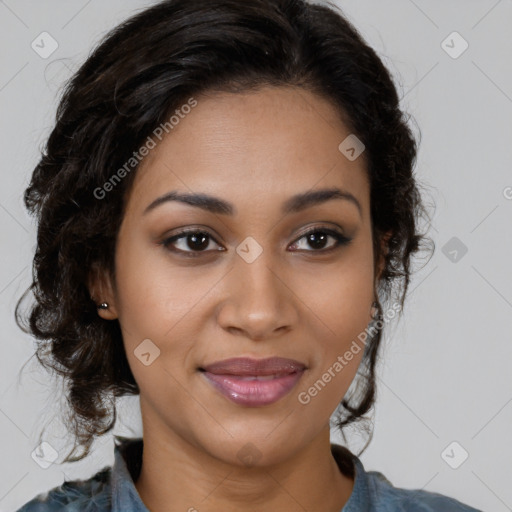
x: 103, y: 305
x: 375, y: 312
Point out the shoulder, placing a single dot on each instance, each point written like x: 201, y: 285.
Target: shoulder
x: 92, y: 495
x: 390, y: 498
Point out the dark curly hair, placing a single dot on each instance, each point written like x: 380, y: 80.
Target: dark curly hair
x: 131, y: 83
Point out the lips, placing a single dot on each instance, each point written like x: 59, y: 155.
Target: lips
x: 254, y: 382
x: 248, y: 367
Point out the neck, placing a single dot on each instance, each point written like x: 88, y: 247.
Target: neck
x: 176, y: 475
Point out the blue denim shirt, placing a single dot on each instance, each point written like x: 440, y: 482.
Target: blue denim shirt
x: 112, y: 489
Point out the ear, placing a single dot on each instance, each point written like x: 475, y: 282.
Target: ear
x: 101, y: 290
x: 384, y: 251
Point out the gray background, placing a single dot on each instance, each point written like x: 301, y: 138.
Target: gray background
x: 445, y: 374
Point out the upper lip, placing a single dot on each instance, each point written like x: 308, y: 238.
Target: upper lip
x: 249, y: 366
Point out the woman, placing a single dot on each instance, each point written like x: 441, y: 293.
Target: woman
x: 227, y: 215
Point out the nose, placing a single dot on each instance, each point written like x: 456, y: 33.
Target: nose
x: 258, y: 299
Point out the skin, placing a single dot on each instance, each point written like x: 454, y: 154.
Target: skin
x: 254, y: 150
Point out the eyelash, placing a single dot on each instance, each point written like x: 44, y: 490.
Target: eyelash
x: 340, y: 239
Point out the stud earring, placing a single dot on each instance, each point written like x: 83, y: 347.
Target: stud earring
x: 375, y: 313
x: 103, y: 305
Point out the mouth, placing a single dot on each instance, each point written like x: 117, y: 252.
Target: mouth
x: 246, y: 366
x: 254, y: 382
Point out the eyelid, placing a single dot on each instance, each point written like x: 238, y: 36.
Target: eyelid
x: 325, y: 226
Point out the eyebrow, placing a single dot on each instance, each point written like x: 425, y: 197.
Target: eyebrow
x: 294, y: 204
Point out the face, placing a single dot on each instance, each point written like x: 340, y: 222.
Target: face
x: 249, y: 281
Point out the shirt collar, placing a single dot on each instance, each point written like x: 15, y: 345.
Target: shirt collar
x: 360, y: 500
x: 126, y: 469
x: 128, y: 463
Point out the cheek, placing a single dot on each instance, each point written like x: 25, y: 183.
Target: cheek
x: 342, y: 314
x: 153, y: 294
x: 161, y: 303
x: 340, y: 296
x: 338, y: 302
x: 343, y: 301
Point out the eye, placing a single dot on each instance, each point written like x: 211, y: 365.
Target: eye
x: 317, y: 238
x: 196, y: 240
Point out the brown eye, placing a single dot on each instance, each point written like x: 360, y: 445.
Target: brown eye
x: 317, y: 238
x: 193, y: 242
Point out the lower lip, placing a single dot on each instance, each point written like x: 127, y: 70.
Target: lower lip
x: 253, y: 392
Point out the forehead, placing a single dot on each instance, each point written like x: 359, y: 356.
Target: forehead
x: 263, y: 144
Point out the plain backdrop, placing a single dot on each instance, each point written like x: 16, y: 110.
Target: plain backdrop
x: 444, y: 408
